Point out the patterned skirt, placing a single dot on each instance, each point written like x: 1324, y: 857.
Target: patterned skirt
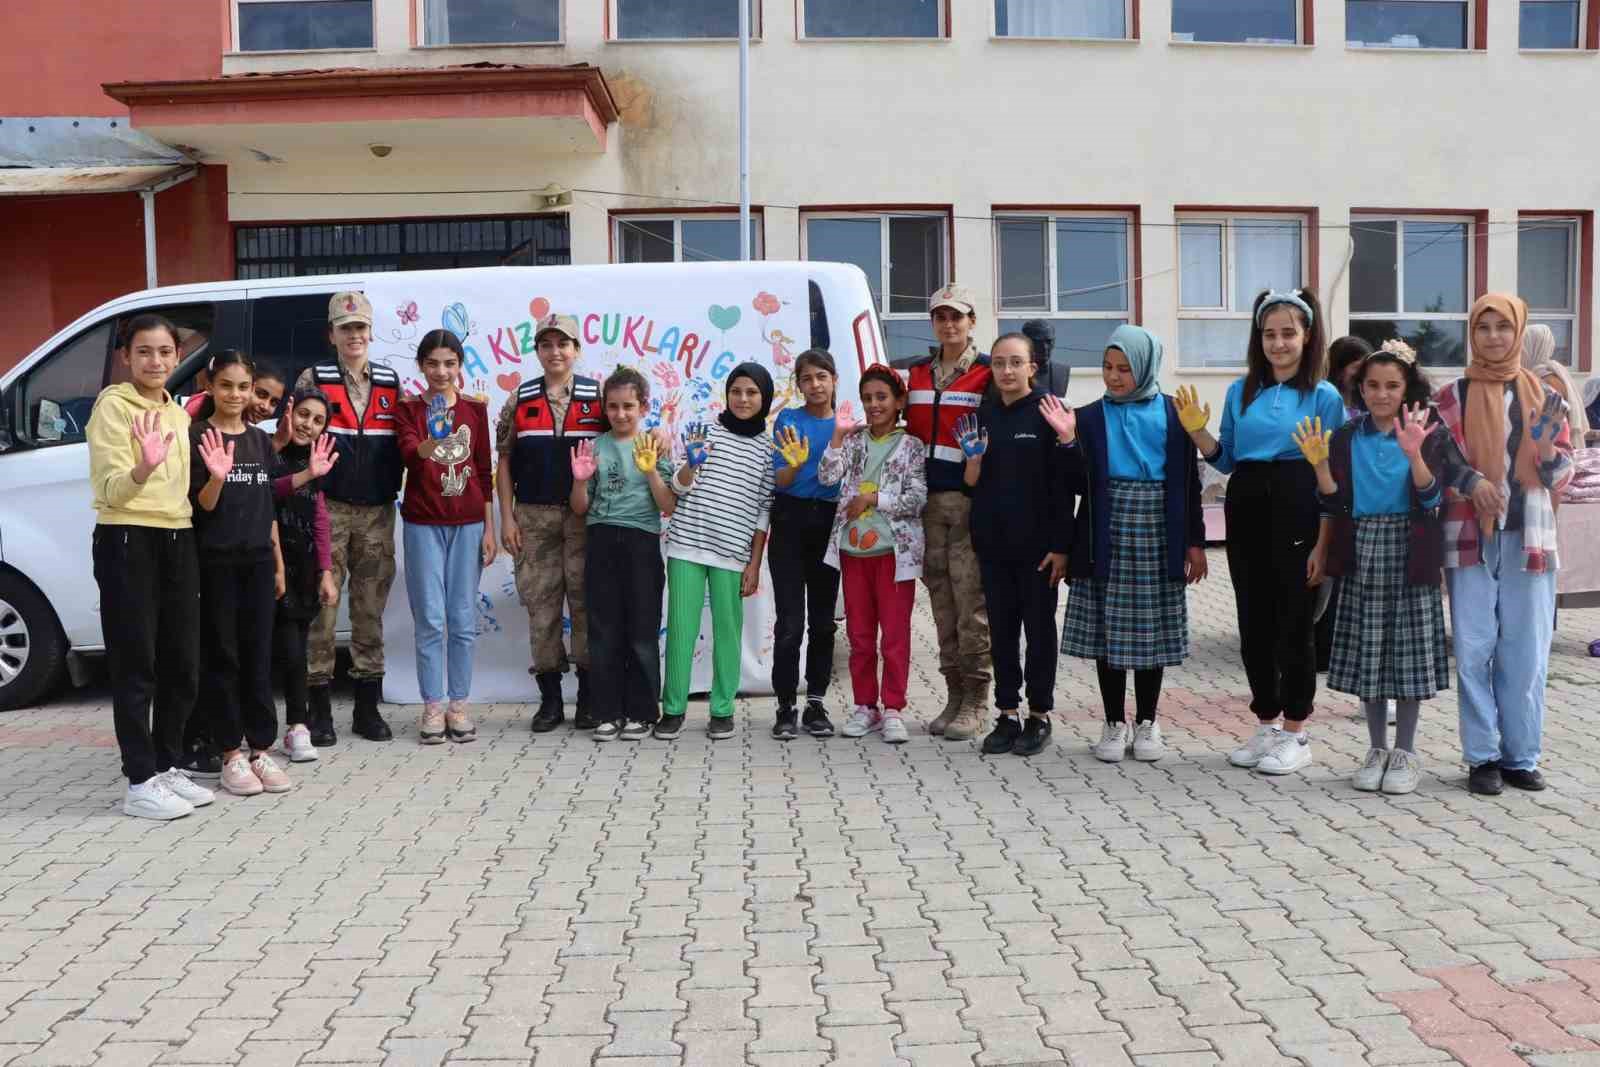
x: 1137, y: 617
x: 1388, y: 637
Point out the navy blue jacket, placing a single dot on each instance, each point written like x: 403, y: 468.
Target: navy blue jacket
x: 1087, y: 476
x: 1021, y: 506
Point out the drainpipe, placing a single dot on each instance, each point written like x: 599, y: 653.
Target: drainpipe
x: 148, y: 197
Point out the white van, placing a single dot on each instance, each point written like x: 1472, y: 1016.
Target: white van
x: 681, y: 313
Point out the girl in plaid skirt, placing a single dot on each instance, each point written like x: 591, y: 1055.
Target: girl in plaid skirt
x: 1376, y: 483
x: 1138, y: 537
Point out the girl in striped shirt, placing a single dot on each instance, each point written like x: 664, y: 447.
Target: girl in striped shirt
x: 717, y: 537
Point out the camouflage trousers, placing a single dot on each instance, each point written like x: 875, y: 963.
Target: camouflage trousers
x: 549, y: 579
x: 363, y: 550
x: 955, y: 588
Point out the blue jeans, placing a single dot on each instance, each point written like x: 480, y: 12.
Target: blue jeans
x: 1501, y: 618
x: 443, y: 565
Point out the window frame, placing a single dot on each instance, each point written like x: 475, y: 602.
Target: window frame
x: 419, y: 16
x: 1477, y: 240
x: 623, y: 217
x: 1477, y: 31
x: 1582, y: 266
x: 356, y: 265
x: 944, y: 34
x: 883, y: 213
x: 1211, y: 216
x: 1588, y: 30
x: 238, y: 42
x: 1304, y: 32
x: 1130, y: 19
x: 613, y: 21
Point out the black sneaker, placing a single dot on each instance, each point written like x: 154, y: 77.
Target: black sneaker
x: 1035, y: 736
x: 607, y: 731
x: 1485, y: 780
x: 667, y: 729
x: 1531, y: 780
x: 785, y: 729
x: 721, y: 727
x: 584, y: 719
x: 201, y: 762
x: 633, y: 730
x: 1003, y: 737
x: 814, y: 720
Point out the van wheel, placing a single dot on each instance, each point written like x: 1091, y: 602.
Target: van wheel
x: 32, y: 649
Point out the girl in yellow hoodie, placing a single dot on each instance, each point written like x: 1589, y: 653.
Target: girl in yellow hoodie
x: 144, y: 562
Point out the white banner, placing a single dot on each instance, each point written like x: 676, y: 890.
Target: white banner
x: 684, y: 337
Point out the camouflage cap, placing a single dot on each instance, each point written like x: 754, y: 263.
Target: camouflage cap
x: 564, y: 324
x: 349, y: 307
x: 952, y: 296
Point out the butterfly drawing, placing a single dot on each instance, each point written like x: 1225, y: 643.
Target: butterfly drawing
x: 408, y: 312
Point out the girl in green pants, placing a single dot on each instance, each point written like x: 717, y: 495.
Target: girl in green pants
x: 717, y: 536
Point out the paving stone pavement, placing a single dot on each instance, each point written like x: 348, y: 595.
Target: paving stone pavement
x: 548, y: 900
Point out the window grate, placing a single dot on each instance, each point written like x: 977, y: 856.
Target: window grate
x: 416, y: 244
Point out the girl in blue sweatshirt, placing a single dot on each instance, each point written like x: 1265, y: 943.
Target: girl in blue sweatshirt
x: 1021, y: 521
x: 1139, y: 537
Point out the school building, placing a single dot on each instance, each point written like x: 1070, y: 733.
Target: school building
x: 1092, y: 162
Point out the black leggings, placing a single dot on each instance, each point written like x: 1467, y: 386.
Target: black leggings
x: 805, y: 591
x: 1114, y: 691
x: 1273, y: 517
x: 289, y: 637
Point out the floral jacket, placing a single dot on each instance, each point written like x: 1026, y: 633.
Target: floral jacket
x: 902, y: 493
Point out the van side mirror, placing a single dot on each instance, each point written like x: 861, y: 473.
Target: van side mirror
x: 8, y: 400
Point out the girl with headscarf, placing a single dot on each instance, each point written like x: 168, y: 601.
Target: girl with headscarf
x: 1500, y: 544
x: 1021, y: 525
x: 718, y: 534
x: 1276, y: 545
x: 1539, y: 356
x: 1138, y: 538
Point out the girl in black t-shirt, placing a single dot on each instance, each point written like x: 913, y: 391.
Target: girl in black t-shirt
x: 241, y: 578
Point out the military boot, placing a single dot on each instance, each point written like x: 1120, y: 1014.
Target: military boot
x: 551, y: 713
x: 974, y: 708
x: 584, y: 718
x: 954, y: 684
x: 319, y: 709
x: 367, y: 722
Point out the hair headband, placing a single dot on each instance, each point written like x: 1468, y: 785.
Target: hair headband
x: 1400, y: 350
x: 1285, y: 296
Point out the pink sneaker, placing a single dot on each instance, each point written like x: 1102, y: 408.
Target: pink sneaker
x: 270, y: 775
x: 238, y: 778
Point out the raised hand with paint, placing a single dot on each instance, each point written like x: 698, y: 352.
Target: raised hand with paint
x: 696, y: 450
x: 794, y: 449
x: 1312, y: 441
x: 973, y: 438
x: 440, y: 421
x: 1545, y: 423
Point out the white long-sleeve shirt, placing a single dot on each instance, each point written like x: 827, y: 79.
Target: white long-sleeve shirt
x: 728, y: 503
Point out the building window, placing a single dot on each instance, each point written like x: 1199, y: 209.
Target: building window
x: 880, y: 18
x: 682, y: 239
x: 1224, y: 261
x: 1551, y: 23
x: 1072, y: 269
x: 905, y: 257
x: 491, y: 21
x: 646, y: 20
x: 402, y: 244
x: 1407, y: 23
x: 1237, y: 21
x: 303, y: 25
x: 1409, y: 278
x: 1061, y: 18
x: 1547, y: 277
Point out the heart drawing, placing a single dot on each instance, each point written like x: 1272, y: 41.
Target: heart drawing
x: 723, y: 318
x: 508, y: 382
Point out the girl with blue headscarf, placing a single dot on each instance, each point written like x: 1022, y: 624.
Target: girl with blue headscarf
x: 1138, y: 538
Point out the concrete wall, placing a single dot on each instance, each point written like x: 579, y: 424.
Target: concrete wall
x: 973, y: 121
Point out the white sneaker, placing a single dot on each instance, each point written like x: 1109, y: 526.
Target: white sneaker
x: 894, y: 729
x: 297, y: 745
x: 1113, y: 743
x: 1147, y: 743
x: 863, y: 720
x: 1288, y: 755
x: 1255, y: 749
x: 152, y: 799
x: 1403, y: 774
x: 1370, y: 775
x: 197, y: 795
